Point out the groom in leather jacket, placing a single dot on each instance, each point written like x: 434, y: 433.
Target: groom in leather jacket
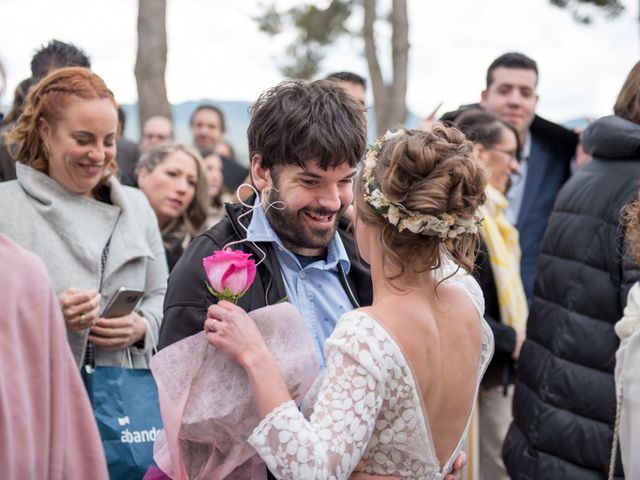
x: 305, y: 140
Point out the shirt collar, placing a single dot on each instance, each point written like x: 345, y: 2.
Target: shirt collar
x: 260, y: 230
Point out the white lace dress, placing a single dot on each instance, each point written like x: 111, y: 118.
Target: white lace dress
x: 366, y: 407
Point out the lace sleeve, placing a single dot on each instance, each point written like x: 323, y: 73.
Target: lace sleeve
x: 330, y: 444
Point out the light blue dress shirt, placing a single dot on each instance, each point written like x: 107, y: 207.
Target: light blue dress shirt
x: 315, y: 290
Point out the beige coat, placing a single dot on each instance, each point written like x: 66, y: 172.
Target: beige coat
x: 70, y: 231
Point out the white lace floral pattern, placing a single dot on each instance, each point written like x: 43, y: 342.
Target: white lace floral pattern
x: 370, y: 410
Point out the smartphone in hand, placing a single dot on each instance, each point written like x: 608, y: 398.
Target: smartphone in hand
x: 122, y: 302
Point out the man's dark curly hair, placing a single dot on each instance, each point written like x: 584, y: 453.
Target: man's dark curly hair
x: 297, y: 121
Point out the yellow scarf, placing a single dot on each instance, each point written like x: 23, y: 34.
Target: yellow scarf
x: 501, y: 239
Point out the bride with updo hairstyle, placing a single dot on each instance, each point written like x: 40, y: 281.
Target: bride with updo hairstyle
x: 429, y: 173
x: 402, y: 375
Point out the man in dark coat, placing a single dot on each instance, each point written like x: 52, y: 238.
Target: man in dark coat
x: 564, y: 403
x: 208, y: 128
x: 546, y: 155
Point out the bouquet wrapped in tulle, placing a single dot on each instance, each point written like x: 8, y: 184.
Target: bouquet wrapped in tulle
x: 206, y: 401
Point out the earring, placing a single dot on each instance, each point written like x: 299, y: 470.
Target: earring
x: 279, y: 205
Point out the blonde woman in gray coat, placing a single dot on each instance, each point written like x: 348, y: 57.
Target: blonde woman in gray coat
x: 93, y: 234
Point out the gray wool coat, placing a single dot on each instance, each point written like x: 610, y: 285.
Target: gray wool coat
x: 70, y: 231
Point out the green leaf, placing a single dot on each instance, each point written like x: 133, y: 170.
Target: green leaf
x: 224, y: 295
x: 270, y: 21
x: 315, y: 28
x: 580, y: 10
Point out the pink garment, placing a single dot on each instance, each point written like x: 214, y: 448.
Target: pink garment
x: 206, y: 401
x: 47, y: 428
x: 154, y: 473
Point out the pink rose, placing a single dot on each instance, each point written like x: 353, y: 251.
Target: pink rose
x: 230, y: 273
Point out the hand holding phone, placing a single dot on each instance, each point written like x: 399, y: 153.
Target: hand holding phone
x: 122, y: 302
x: 119, y: 332
x: 117, y: 326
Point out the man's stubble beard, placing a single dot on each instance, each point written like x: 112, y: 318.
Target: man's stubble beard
x: 296, y: 235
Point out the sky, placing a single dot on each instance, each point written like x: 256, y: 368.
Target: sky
x: 216, y: 50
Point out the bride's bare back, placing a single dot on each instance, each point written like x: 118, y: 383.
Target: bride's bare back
x: 440, y: 336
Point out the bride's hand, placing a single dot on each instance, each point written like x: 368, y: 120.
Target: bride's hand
x: 458, y: 465
x: 230, y: 329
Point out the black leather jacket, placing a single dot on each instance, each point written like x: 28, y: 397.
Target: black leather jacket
x: 187, y: 297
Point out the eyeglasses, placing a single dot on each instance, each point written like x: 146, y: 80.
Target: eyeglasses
x: 510, y: 153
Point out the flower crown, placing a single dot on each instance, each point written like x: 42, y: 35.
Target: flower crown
x: 444, y: 226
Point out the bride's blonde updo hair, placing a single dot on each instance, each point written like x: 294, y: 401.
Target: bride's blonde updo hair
x: 429, y: 173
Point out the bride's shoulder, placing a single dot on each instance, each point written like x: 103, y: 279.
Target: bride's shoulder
x: 466, y: 313
x: 464, y: 286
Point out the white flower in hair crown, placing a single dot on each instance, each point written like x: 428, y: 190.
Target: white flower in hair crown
x: 444, y: 226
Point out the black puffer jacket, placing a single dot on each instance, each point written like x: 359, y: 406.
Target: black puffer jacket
x: 564, y: 404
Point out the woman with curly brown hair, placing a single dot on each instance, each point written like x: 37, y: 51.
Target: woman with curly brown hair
x: 93, y: 234
x: 402, y: 375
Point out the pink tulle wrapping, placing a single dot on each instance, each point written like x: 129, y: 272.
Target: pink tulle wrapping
x: 206, y: 402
